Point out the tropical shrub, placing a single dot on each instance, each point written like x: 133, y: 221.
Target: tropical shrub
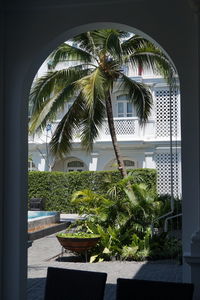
x: 124, y: 224
x: 57, y: 187
x: 163, y: 246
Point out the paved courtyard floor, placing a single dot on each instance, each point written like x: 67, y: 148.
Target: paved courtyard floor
x: 45, y: 252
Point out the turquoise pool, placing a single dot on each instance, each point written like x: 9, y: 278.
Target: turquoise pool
x: 40, y: 218
x: 40, y: 214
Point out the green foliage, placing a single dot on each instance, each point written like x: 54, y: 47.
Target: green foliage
x: 163, y: 246
x: 124, y: 226
x: 81, y: 235
x: 57, y: 187
x: 139, y: 249
x: 88, y: 202
x: 129, y: 252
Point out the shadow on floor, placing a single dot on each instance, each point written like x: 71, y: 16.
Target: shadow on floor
x: 70, y: 258
x: 168, y: 270
x: 36, y: 288
x: 164, y: 270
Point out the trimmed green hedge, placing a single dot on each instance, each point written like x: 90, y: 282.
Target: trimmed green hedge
x: 57, y: 187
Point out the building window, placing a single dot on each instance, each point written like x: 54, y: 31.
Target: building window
x: 124, y: 108
x: 129, y: 163
x: 75, y: 165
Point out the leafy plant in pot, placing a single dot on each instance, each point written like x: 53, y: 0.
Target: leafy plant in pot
x: 78, y: 241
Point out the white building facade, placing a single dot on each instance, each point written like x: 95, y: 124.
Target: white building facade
x: 156, y: 145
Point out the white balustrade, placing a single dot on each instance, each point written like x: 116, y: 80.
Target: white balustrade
x: 127, y: 129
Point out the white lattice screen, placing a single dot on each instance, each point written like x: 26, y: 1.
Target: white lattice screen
x: 163, y: 166
x: 162, y: 106
x: 122, y: 127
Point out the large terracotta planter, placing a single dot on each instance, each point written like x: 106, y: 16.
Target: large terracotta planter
x: 78, y: 244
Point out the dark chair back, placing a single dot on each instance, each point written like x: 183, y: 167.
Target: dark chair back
x: 36, y: 203
x: 134, y: 289
x: 67, y: 284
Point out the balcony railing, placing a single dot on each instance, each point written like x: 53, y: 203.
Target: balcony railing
x: 127, y: 129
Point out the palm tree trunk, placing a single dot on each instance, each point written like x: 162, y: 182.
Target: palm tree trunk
x: 111, y: 125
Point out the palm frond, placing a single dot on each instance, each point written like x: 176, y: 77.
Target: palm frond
x: 85, y: 42
x: 89, y: 198
x: 41, y: 89
x: 91, y: 125
x: 140, y: 52
x: 129, y: 46
x: 140, y: 96
x: 93, y: 88
x: 66, y: 52
x: 155, y: 61
x: 50, y: 109
x: 61, y: 141
x: 108, y: 41
x: 50, y: 92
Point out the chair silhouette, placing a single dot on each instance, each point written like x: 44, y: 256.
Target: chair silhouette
x: 67, y: 284
x: 134, y: 289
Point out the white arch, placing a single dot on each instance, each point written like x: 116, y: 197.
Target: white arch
x: 112, y: 164
x: 62, y: 165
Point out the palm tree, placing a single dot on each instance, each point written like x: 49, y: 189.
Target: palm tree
x: 98, y: 58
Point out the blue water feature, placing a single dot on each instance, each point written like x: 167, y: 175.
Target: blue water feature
x: 39, y: 214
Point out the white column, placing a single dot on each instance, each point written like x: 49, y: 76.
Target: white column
x: 42, y: 165
x: 149, y: 162
x: 93, y: 162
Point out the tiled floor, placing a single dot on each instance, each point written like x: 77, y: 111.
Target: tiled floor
x: 45, y: 252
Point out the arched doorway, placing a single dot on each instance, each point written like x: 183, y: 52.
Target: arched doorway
x: 128, y: 162
x: 123, y: 111
x: 70, y: 164
x: 122, y: 98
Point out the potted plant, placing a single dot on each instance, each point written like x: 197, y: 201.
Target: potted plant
x: 78, y: 241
